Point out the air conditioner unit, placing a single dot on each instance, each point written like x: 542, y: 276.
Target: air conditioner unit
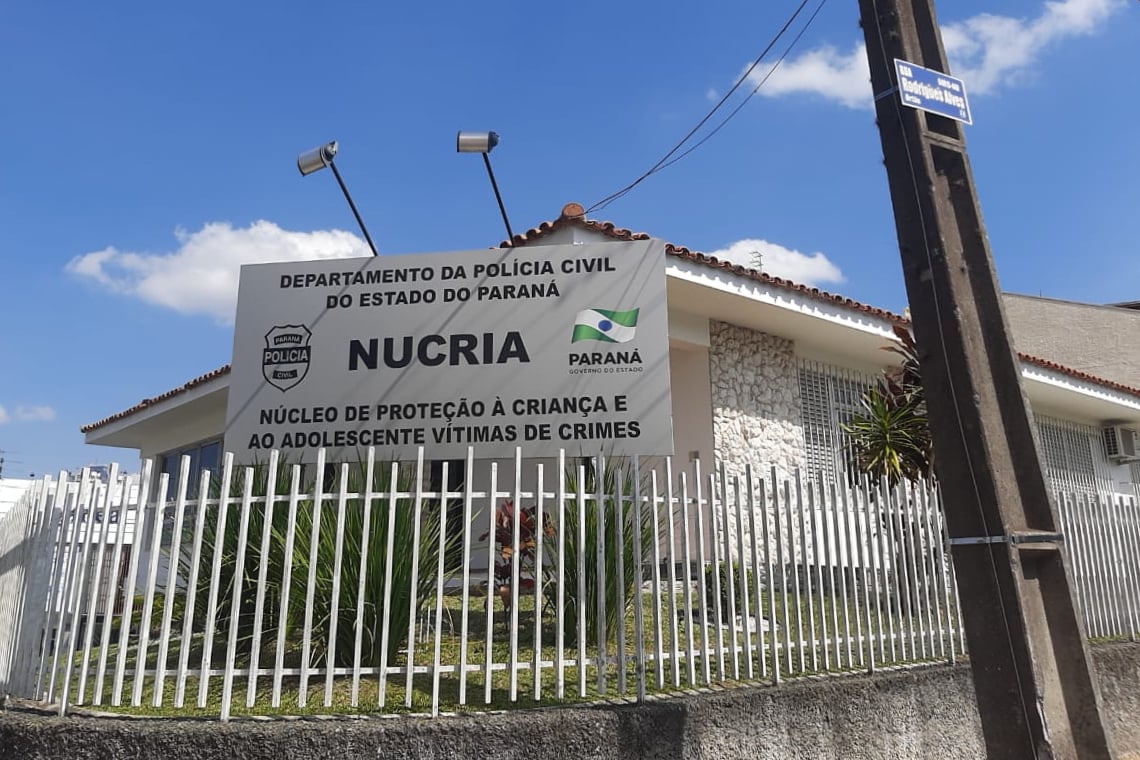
x: 1120, y: 444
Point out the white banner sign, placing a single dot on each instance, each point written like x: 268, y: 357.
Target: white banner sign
x: 551, y: 347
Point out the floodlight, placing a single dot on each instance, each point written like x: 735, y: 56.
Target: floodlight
x: 484, y: 143
x: 320, y: 157
x: 476, y: 142
x: 316, y: 159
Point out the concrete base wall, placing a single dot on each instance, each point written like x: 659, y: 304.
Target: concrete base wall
x: 923, y: 713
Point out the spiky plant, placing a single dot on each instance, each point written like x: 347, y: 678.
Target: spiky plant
x: 890, y: 436
x: 397, y: 514
x: 613, y: 510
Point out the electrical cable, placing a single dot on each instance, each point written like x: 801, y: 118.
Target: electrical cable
x: 950, y: 383
x: 743, y: 77
x: 755, y: 90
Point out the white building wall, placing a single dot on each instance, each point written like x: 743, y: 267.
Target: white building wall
x: 692, y: 401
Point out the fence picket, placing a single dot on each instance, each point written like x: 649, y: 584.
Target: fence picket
x: 389, y: 550
x: 560, y: 583
x: 715, y: 539
x: 151, y: 577
x: 675, y: 640
x: 619, y: 581
x: 262, y: 568
x: 729, y: 592
x: 600, y: 564
x: 785, y: 618
x: 658, y: 642
x: 742, y: 584
x: 488, y: 651
x: 583, y: 599
x: 539, y: 541
x: 639, y: 575
x: 687, y: 588
x: 413, y: 589
x: 441, y: 559
x: 465, y: 591
x: 516, y: 528
x: 702, y: 590
x: 191, y: 591
x: 362, y: 571
x: 1132, y: 544
x: 824, y: 576
x: 171, y: 582
x: 68, y: 569
x: 757, y: 613
x: 334, y: 602
x: 236, y: 594
x: 215, y: 574
x: 286, y: 581
x: 102, y: 515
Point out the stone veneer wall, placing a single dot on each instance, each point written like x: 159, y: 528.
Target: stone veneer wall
x: 755, y: 400
x: 756, y: 410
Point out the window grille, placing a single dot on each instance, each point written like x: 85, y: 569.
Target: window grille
x: 829, y: 397
x: 1072, y: 456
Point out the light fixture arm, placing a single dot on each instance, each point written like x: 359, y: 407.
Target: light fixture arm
x: 499, y: 198
x: 351, y: 205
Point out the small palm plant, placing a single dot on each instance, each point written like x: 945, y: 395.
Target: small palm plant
x: 890, y: 437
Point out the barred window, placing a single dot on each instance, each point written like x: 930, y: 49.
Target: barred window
x: 1071, y: 455
x: 829, y: 397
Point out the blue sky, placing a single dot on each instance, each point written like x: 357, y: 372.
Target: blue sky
x: 149, y: 150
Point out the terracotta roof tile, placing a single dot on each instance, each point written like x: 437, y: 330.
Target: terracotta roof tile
x: 1078, y: 374
x: 149, y: 402
x: 574, y: 216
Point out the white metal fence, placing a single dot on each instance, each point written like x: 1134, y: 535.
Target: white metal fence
x: 373, y: 588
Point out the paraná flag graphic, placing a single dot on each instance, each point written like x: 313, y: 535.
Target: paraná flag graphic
x: 605, y: 325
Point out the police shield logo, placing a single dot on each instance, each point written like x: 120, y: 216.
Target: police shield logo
x: 285, y: 359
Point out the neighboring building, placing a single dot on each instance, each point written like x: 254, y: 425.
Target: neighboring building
x: 763, y: 370
x: 1101, y: 340
x: 11, y: 489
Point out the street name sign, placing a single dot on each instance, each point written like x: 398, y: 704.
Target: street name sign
x: 932, y: 91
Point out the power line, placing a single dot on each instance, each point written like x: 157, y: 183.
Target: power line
x: 755, y: 90
x: 743, y: 77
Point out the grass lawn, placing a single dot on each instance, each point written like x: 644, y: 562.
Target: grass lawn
x: 677, y: 622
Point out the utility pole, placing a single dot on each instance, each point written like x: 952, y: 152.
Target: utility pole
x: 1036, y: 691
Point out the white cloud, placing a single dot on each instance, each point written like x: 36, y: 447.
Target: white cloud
x: 35, y: 413
x: 842, y: 77
x: 778, y: 261
x: 27, y: 414
x: 986, y: 50
x: 201, y: 275
x: 712, y: 95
